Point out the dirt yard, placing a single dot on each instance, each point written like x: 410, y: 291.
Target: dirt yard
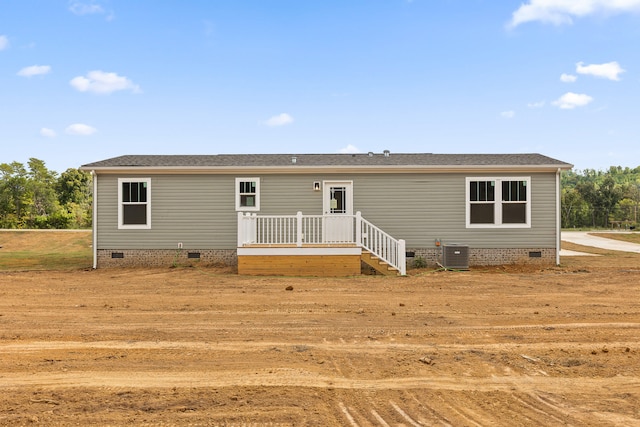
x: 202, y: 347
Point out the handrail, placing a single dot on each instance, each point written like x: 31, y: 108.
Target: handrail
x: 301, y: 229
x: 381, y: 244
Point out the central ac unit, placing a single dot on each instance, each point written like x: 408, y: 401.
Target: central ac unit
x: 455, y: 257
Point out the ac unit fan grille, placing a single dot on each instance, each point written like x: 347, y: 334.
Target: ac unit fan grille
x: 455, y: 257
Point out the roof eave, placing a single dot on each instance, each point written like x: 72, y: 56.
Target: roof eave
x: 323, y: 169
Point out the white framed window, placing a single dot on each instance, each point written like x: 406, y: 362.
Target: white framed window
x: 498, y: 202
x: 134, y: 203
x: 247, y: 194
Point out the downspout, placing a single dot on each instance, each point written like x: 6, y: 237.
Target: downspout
x: 558, y: 217
x: 94, y: 220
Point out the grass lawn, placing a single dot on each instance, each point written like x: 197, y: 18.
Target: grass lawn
x: 45, y: 250
x: 22, y: 250
x: 626, y: 237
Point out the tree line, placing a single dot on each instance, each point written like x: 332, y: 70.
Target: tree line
x: 593, y: 198
x: 33, y: 196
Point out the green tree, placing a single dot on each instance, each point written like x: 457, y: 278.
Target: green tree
x: 588, y: 193
x: 13, y: 194
x: 41, y: 195
x: 574, y: 208
x: 632, y: 193
x: 35, y: 197
x: 601, y: 193
x: 74, y: 188
x: 609, y: 194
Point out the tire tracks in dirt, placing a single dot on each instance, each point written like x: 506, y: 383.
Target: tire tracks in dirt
x: 303, y: 378
x: 347, y: 347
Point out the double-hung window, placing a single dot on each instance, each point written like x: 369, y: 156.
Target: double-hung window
x: 134, y: 203
x: 503, y: 202
x: 247, y: 194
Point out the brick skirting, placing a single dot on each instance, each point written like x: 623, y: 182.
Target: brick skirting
x: 210, y: 257
x: 485, y: 256
x: 165, y: 257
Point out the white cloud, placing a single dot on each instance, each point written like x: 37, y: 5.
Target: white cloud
x: 34, y: 70
x: 103, y: 83
x: 4, y: 42
x: 350, y: 149
x: 508, y: 114
x: 48, y: 133
x: 610, y: 70
x: 80, y: 129
x: 571, y: 100
x: 80, y: 8
x: 538, y: 104
x: 279, y: 120
x: 568, y: 78
x: 560, y: 12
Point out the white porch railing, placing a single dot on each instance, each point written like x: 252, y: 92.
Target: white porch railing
x: 276, y: 230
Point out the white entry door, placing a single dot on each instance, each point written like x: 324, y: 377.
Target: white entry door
x: 338, y: 212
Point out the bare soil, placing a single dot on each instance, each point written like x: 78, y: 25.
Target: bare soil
x: 194, y: 346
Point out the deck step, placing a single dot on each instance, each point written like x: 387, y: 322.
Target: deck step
x: 379, y: 265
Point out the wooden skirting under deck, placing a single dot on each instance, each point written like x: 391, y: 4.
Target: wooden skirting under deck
x: 300, y: 265
x: 288, y: 261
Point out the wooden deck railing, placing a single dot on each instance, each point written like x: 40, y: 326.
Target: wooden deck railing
x: 298, y: 230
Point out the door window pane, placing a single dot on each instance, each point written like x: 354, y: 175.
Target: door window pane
x: 338, y: 200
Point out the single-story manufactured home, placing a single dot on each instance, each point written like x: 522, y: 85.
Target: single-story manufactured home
x: 326, y: 214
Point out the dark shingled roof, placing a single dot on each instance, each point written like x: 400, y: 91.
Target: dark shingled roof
x: 325, y: 160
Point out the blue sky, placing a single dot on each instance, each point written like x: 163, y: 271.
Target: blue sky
x: 82, y: 81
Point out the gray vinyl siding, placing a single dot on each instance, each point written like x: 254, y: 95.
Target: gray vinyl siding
x: 199, y: 210
x: 422, y: 208
x: 195, y: 210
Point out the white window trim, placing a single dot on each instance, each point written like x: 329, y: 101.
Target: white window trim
x: 122, y: 226
x: 498, y: 201
x: 247, y: 208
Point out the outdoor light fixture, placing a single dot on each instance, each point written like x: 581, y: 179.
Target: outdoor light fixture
x: 316, y: 186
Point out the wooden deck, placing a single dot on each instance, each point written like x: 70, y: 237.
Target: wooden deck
x: 315, y: 245
x: 330, y: 260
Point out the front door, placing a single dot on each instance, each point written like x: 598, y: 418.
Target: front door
x: 338, y: 212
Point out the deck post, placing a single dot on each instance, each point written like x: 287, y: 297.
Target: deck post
x: 402, y: 257
x: 246, y: 228
x: 252, y: 228
x: 241, y: 229
x: 359, y: 228
x: 299, y: 229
